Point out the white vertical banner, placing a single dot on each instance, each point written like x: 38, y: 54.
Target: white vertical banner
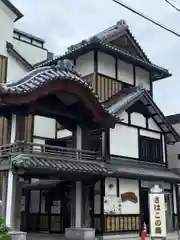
x: 157, y: 213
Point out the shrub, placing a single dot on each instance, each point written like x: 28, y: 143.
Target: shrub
x: 4, y: 230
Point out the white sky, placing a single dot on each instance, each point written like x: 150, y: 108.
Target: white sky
x: 65, y: 22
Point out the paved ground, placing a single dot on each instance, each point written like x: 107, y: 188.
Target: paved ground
x: 45, y: 236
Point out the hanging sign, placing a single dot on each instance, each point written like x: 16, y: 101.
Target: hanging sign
x: 157, y: 213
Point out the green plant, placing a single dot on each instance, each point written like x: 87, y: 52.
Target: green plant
x: 4, y: 230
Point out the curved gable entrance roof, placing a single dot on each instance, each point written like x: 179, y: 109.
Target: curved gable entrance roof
x: 60, y: 79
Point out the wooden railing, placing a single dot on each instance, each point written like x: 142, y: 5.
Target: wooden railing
x: 43, y: 149
x: 117, y: 223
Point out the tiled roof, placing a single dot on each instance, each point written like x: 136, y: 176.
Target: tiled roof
x: 40, y: 76
x: 113, y: 49
x: 51, y: 163
x: 103, y: 41
x: 117, y: 30
x: 139, y: 170
x: 123, y: 100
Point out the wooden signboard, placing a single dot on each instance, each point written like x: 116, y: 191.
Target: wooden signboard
x: 157, y: 213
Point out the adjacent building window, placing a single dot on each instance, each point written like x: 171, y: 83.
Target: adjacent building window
x: 150, y: 149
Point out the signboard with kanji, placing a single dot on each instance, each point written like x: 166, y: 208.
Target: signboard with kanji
x: 157, y: 213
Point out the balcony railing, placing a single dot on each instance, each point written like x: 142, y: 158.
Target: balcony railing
x: 48, y: 150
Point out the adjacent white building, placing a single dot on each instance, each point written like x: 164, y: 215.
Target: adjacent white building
x: 173, y: 151
x: 20, y: 49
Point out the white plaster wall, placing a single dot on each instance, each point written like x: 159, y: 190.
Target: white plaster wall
x: 138, y: 119
x: 125, y: 72
x: 110, y: 191
x: 128, y: 185
x: 124, y: 141
x: 106, y: 64
x: 124, y: 117
x: 38, y: 141
x: 15, y: 70
x: 142, y: 78
x: 150, y: 134
x: 64, y: 133
x: 152, y: 125
x: 85, y: 63
x: 7, y: 23
x: 30, y: 52
x: 44, y: 127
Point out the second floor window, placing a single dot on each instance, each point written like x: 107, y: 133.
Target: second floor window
x: 150, y: 149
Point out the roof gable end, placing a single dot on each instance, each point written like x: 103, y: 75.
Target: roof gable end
x: 125, y: 100
x: 13, y: 9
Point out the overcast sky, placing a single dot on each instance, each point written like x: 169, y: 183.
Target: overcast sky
x: 65, y: 22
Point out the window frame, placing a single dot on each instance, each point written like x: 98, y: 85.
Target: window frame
x: 150, y: 149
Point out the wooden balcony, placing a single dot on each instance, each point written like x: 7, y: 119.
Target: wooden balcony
x: 41, y: 161
x: 64, y: 153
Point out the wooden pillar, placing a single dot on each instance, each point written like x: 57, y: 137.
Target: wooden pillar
x: 4, y: 194
x: 178, y: 205
x: 102, y: 220
x: 76, y: 217
x: 3, y: 120
x: 106, y: 144
x: 11, y: 183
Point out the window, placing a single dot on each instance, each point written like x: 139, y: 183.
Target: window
x: 150, y: 149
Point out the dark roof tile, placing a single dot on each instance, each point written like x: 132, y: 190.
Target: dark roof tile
x: 58, y: 165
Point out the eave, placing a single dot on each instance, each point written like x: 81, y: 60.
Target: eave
x: 157, y: 72
x: 18, y: 14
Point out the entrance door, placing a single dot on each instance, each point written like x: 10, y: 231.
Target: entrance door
x: 145, y: 208
x: 168, y: 209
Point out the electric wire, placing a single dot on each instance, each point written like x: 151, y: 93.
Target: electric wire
x: 146, y: 17
x: 172, y: 5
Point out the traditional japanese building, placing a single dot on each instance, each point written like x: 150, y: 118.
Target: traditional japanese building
x: 85, y: 141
